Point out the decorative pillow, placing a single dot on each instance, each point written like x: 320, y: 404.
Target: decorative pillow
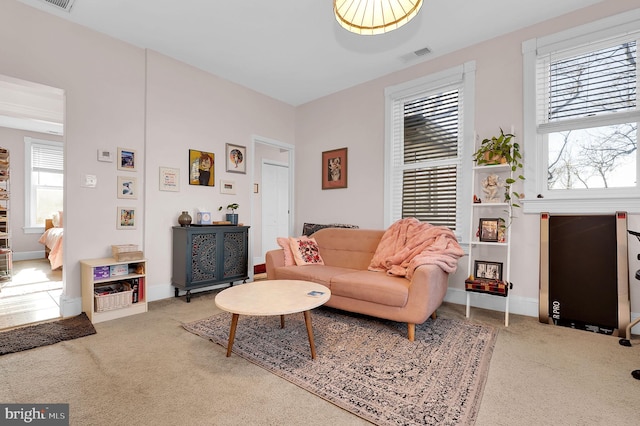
x: 305, y: 251
x: 310, y: 228
x: 55, y: 220
x: 61, y: 215
x: 288, y: 254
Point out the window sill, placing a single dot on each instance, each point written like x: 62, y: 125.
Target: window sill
x: 33, y: 230
x: 581, y: 205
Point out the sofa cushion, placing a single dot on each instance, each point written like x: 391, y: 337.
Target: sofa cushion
x: 375, y: 287
x: 305, y: 251
x: 320, y: 274
x: 284, y: 243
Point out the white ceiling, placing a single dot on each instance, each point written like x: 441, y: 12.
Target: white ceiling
x: 291, y: 50
x: 294, y: 50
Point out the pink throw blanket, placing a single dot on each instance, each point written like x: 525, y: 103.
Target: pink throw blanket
x: 409, y: 243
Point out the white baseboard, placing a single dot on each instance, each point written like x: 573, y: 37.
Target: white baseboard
x: 517, y: 305
x: 28, y: 255
x: 70, y: 307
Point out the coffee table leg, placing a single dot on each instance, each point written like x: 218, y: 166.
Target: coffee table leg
x: 232, y: 333
x: 307, y: 321
x: 281, y: 321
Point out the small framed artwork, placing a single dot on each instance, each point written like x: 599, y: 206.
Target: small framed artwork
x: 236, y: 158
x: 334, y: 169
x: 489, y: 229
x: 126, y: 218
x: 127, y: 159
x: 227, y: 187
x: 201, y: 168
x: 487, y: 270
x: 127, y: 187
x: 169, y: 179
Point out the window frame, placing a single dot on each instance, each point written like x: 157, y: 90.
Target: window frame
x: 463, y: 76
x: 29, y: 227
x: 538, y: 198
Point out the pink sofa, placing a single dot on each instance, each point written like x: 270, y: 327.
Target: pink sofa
x: 347, y: 254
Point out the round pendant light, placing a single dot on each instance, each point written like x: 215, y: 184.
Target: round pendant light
x: 371, y: 17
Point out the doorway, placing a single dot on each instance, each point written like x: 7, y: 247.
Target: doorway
x: 29, y: 110
x: 272, y: 201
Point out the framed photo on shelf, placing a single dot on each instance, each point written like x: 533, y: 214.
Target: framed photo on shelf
x: 236, y: 158
x: 169, y: 179
x: 127, y: 187
x: 127, y: 159
x: 487, y: 270
x: 201, y: 168
x: 334, y: 169
x: 489, y: 229
x: 126, y: 218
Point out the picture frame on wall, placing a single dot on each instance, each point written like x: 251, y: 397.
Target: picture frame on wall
x: 491, y: 230
x: 334, y: 169
x: 127, y: 159
x: 126, y: 218
x: 491, y: 271
x: 227, y: 187
x: 127, y: 187
x: 169, y: 179
x: 201, y: 168
x: 236, y: 158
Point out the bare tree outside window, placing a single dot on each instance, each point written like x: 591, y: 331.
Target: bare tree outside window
x: 599, y: 84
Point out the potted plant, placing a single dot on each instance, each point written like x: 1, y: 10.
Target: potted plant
x: 233, y: 216
x: 502, y: 150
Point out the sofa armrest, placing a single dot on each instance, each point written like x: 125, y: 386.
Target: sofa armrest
x: 273, y: 259
x: 429, y: 283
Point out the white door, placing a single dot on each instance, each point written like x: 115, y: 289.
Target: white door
x: 275, y: 204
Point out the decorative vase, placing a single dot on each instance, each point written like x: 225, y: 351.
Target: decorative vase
x: 184, y: 219
x: 233, y: 218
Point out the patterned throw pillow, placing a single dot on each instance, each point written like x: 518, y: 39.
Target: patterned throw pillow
x: 288, y: 254
x: 305, y: 251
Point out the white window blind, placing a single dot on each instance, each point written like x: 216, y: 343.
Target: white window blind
x: 587, y: 116
x: 430, y: 158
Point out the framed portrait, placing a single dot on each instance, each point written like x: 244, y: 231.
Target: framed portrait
x: 201, y: 168
x: 236, y: 158
x: 127, y: 159
x: 169, y: 179
x: 127, y: 187
x: 334, y: 169
x: 126, y: 218
x: 227, y: 187
x: 490, y: 230
x: 487, y: 270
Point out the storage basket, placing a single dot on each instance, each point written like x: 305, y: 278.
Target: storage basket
x: 109, y: 302
x: 126, y: 252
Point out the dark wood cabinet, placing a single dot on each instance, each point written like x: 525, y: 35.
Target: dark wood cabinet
x: 209, y: 255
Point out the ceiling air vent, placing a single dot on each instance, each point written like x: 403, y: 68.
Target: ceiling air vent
x: 422, y: 52
x: 65, y: 5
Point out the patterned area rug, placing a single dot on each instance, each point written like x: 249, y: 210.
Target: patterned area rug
x: 48, y: 333
x: 367, y: 366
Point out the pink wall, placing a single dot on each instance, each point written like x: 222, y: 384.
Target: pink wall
x: 118, y: 95
x: 355, y: 118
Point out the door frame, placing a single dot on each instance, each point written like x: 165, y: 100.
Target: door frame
x: 255, y: 140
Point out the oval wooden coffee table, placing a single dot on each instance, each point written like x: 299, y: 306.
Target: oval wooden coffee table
x: 273, y: 297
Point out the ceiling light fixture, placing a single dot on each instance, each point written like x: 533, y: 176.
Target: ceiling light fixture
x: 371, y: 17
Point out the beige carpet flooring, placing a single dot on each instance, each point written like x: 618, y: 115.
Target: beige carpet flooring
x: 147, y: 370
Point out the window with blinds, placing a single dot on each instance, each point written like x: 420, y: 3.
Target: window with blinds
x: 587, y: 116
x: 44, y: 180
x: 430, y: 158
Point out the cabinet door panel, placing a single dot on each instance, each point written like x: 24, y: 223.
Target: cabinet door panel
x: 204, y: 257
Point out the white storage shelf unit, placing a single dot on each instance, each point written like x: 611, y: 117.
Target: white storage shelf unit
x: 92, y: 279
